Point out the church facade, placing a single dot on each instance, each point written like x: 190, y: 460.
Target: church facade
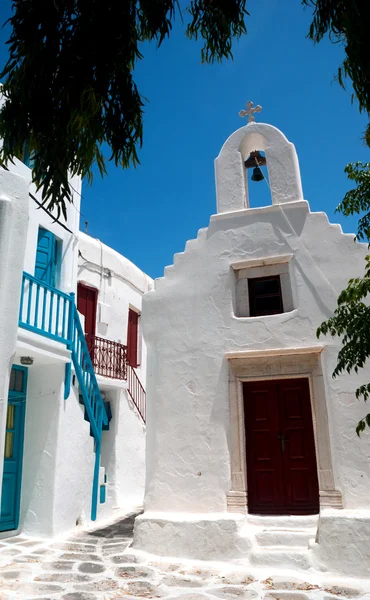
x: 252, y: 452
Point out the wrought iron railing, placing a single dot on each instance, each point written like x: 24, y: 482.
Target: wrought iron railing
x: 136, y: 391
x: 108, y: 357
x: 110, y: 360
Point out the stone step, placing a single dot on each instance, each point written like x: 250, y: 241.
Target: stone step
x: 284, y: 522
x: 289, y: 538
x: 282, y: 558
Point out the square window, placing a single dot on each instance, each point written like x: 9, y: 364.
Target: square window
x: 265, y: 296
x: 263, y: 286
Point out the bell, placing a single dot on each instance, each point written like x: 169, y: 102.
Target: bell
x: 257, y: 174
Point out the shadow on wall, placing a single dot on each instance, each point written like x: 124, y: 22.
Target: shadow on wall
x: 108, y: 451
x: 123, y: 528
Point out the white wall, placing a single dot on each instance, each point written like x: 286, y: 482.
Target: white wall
x: 44, y: 389
x: 67, y: 239
x: 123, y: 454
x: 13, y: 227
x: 74, y: 467
x: 120, y: 285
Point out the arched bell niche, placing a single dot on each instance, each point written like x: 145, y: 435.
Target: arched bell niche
x: 281, y: 161
x: 257, y: 179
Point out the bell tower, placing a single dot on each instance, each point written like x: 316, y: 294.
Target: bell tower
x: 241, y: 151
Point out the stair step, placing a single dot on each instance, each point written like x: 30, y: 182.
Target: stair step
x: 284, y: 522
x: 283, y: 558
x: 289, y: 538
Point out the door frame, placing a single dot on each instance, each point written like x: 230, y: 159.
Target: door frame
x: 12, y: 394
x: 282, y: 363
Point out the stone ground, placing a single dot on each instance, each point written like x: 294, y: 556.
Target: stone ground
x: 99, y: 565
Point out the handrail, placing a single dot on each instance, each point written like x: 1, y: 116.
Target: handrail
x: 46, y: 285
x: 90, y: 393
x: 136, y: 391
x: 108, y: 357
x: 52, y: 313
x: 44, y: 309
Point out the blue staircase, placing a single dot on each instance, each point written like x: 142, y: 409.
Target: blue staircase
x: 51, y: 313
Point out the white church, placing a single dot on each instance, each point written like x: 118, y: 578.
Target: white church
x: 251, y: 452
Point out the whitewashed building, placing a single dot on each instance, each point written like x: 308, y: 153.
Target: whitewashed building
x: 72, y: 408
x: 252, y: 453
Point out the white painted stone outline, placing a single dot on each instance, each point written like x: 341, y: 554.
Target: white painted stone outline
x: 281, y: 363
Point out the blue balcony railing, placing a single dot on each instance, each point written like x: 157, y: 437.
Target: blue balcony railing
x: 44, y: 309
x: 53, y: 314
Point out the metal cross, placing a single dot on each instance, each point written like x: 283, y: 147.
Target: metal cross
x: 250, y: 110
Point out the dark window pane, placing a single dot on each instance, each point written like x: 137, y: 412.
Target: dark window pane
x: 263, y: 287
x: 12, y: 380
x: 18, y: 381
x: 268, y: 305
x: 265, y: 296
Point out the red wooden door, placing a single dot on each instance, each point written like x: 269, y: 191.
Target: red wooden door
x: 132, y: 337
x: 281, y: 458
x: 87, y: 298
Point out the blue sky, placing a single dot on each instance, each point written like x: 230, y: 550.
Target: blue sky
x: 150, y: 212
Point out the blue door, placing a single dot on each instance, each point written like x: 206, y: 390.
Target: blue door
x: 13, y: 451
x: 46, y: 257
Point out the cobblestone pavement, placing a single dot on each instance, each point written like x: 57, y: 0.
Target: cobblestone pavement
x: 99, y: 565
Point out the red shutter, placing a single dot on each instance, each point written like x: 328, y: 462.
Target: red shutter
x: 132, y: 337
x: 86, y: 305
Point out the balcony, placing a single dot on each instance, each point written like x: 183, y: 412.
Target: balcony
x: 46, y: 310
x: 108, y: 357
x: 51, y: 313
x: 110, y: 360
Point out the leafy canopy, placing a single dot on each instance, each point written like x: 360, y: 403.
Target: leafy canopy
x: 347, y: 22
x: 351, y: 318
x: 69, y: 81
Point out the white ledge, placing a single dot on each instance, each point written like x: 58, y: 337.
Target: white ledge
x: 260, y: 210
x: 261, y: 262
x: 274, y: 352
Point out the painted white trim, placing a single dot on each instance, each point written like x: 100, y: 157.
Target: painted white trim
x: 262, y: 262
x: 274, y: 352
x: 42, y: 349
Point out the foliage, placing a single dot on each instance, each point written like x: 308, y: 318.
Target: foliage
x: 346, y: 21
x: 69, y: 81
x: 351, y: 318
